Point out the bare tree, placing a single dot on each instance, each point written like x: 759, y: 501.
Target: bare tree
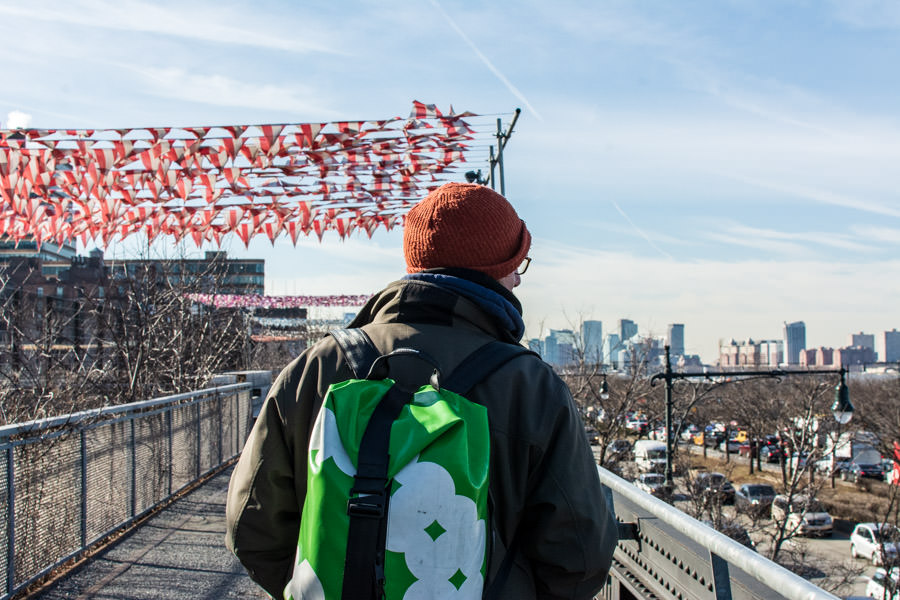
x: 68, y: 345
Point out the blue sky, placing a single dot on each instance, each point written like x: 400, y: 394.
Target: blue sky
x: 729, y: 165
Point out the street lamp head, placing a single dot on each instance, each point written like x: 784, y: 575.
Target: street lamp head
x: 604, y: 389
x: 842, y: 408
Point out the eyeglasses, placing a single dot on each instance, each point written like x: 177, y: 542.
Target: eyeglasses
x: 524, y: 266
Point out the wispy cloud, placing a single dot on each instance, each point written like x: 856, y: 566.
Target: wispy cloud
x: 820, y: 195
x: 219, y: 90
x: 484, y: 59
x: 875, y: 234
x: 640, y: 231
x: 196, y: 21
x: 786, y: 244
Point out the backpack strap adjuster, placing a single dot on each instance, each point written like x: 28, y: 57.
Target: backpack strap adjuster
x: 371, y: 506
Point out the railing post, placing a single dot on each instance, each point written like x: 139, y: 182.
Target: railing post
x: 133, y: 470
x: 219, y: 409
x: 721, y: 578
x: 171, y: 447
x: 197, y: 411
x: 238, y: 422
x: 83, y: 489
x: 11, y: 521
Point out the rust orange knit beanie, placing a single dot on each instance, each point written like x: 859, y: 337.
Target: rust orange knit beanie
x: 465, y: 225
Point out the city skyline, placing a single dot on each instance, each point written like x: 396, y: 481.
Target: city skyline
x: 562, y: 342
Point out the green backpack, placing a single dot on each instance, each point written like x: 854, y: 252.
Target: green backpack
x: 397, y: 485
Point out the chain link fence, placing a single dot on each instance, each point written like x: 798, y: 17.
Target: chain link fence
x: 68, y: 482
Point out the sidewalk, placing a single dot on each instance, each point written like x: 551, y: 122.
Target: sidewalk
x: 177, y: 554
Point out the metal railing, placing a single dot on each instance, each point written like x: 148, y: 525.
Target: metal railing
x: 70, y: 481
x: 664, y: 553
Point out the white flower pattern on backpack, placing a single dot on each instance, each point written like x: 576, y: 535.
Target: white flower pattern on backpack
x: 305, y: 585
x: 326, y: 442
x: 439, y: 533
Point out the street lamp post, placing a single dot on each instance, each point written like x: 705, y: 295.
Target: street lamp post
x: 842, y: 408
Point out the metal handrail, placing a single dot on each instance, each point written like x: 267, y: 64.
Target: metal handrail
x: 68, y: 482
x: 8, y: 431
x: 774, y: 576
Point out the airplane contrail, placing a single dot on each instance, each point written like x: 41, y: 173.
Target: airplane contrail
x: 488, y: 63
x: 638, y: 229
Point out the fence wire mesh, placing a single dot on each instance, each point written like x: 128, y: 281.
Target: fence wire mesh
x: 75, y: 483
x: 5, y: 540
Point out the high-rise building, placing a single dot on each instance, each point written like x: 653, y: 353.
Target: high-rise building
x: 891, y: 346
x: 627, y: 329
x: 750, y: 353
x: 613, y: 347
x: 794, y: 341
x: 559, y: 347
x: 592, y: 332
x: 675, y: 339
x: 864, y: 340
x: 771, y: 352
x: 853, y: 355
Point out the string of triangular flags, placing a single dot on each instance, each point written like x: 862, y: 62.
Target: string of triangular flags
x: 257, y: 301
x: 202, y: 183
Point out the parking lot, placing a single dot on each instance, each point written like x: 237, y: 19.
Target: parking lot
x: 822, y: 554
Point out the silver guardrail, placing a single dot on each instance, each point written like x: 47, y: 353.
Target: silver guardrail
x: 68, y: 482
x: 665, y: 553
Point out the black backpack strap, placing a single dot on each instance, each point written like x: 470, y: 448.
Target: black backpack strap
x: 358, y: 350
x: 368, y: 503
x: 480, y: 364
x: 472, y: 370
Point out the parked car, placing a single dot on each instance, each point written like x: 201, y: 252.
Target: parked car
x: 618, y: 450
x: 713, y: 438
x: 650, y: 455
x: 688, y: 433
x: 825, y: 465
x: 637, y: 424
x: 732, y: 446
x: 653, y: 483
x: 798, y: 460
x: 658, y: 433
x: 715, y: 485
x: 740, y: 436
x: 754, y: 498
x: 875, y: 541
x: 804, y: 515
x: 770, y: 453
x: 876, y: 587
x: 857, y: 471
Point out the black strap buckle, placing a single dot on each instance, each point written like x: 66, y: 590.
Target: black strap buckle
x: 369, y: 506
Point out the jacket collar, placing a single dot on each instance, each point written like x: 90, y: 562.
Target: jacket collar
x: 428, y: 300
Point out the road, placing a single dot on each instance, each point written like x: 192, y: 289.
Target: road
x: 820, y: 551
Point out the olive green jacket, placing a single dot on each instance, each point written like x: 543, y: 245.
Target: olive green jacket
x: 544, y: 484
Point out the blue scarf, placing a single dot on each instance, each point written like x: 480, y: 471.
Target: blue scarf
x: 488, y: 300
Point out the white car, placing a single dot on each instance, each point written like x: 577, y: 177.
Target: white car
x: 652, y: 483
x: 804, y: 516
x: 876, y: 586
x: 875, y: 541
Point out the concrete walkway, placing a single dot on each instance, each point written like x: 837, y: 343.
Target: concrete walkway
x: 179, y: 553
